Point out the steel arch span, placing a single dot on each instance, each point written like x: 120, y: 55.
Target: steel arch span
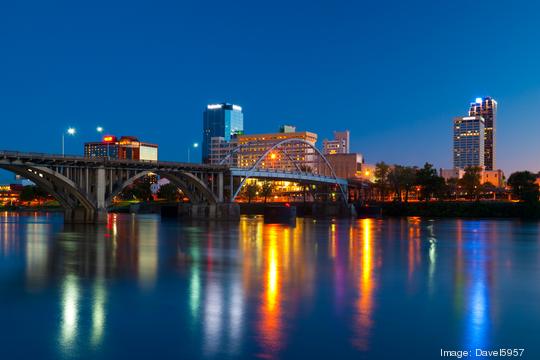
x: 303, y: 173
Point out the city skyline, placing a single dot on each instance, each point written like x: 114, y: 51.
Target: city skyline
x: 149, y: 72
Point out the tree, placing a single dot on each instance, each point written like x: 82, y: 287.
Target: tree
x: 382, y: 170
x: 524, y: 186
x: 402, y: 179
x: 431, y: 185
x: 452, y: 187
x: 250, y: 190
x: 267, y: 189
x: 31, y: 193
x: 141, y: 189
x: 471, y: 180
x: 168, y: 192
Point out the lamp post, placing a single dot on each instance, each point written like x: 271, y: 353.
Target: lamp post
x: 195, y: 145
x: 70, y: 131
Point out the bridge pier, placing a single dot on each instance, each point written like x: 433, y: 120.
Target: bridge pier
x: 221, y: 211
x: 81, y: 215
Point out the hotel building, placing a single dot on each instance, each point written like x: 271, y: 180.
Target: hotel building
x: 125, y: 148
x: 487, y: 108
x: 468, y: 141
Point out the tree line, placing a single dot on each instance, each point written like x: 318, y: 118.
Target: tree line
x: 397, y: 182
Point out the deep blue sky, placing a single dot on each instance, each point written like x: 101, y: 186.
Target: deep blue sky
x: 392, y: 72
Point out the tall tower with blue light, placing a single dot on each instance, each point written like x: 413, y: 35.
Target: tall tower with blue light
x: 487, y: 108
x: 220, y: 120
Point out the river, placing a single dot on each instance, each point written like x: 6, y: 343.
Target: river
x: 145, y: 288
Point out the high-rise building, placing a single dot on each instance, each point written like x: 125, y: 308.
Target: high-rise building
x: 220, y: 120
x: 340, y: 144
x: 487, y: 108
x: 469, y: 141
x: 290, y: 154
x: 125, y: 148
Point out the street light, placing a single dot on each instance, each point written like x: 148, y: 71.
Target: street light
x: 195, y: 145
x: 70, y: 131
x: 99, y: 129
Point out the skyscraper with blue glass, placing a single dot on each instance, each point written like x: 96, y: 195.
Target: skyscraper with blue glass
x: 220, y: 120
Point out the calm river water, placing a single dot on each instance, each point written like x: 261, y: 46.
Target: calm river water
x: 146, y: 288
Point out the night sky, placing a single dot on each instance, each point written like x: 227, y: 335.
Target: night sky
x: 394, y: 73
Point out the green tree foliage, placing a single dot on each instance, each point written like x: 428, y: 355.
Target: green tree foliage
x: 402, y: 179
x: 32, y: 192
x: 267, y: 189
x: 471, y: 181
x: 139, y: 190
x: 250, y: 190
x: 382, y: 170
x: 168, y: 192
x: 431, y: 185
x: 523, y: 186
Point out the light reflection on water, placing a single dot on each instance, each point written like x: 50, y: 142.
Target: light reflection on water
x: 269, y: 291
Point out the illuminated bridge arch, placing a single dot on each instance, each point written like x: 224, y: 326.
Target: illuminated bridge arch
x: 323, y: 172
x: 192, y: 187
x: 59, y: 186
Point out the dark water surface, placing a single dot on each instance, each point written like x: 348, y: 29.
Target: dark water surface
x: 143, y: 288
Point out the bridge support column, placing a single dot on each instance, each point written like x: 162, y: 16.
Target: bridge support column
x: 220, y: 187
x: 81, y: 215
x: 222, y: 211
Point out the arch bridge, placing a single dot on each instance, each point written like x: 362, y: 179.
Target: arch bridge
x: 85, y: 187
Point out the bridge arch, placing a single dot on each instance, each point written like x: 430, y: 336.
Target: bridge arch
x: 278, y: 146
x: 193, y: 187
x: 64, y: 190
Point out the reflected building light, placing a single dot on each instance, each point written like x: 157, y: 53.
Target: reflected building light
x: 478, y: 313
x: 37, y: 248
x: 195, y: 291
x: 236, y: 314
x: 70, y: 312
x: 213, y: 312
x: 147, y: 253
x: 366, y: 288
x: 270, y: 323
x: 432, y: 257
x: 98, y: 312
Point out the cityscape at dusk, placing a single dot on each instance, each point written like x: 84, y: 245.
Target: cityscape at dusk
x: 281, y: 180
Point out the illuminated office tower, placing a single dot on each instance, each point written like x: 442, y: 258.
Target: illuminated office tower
x: 469, y: 133
x: 487, y: 108
x: 220, y: 120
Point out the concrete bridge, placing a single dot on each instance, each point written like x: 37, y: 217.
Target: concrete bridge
x: 86, y: 187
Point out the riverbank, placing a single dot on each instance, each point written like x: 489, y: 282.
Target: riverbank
x: 462, y: 209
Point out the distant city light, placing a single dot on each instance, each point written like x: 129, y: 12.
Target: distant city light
x: 214, y: 106
x: 195, y: 145
x: 478, y: 100
x: 99, y: 129
x: 237, y: 108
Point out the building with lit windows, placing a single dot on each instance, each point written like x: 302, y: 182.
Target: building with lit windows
x: 10, y: 194
x: 248, y: 149
x: 468, y: 141
x: 487, y: 108
x: 220, y: 120
x: 287, y: 157
x: 494, y: 177
x: 125, y: 148
x: 339, y: 145
x: 220, y: 149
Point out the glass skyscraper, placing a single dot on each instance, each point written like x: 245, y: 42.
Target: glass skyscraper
x: 469, y: 133
x: 220, y: 120
x: 487, y: 108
